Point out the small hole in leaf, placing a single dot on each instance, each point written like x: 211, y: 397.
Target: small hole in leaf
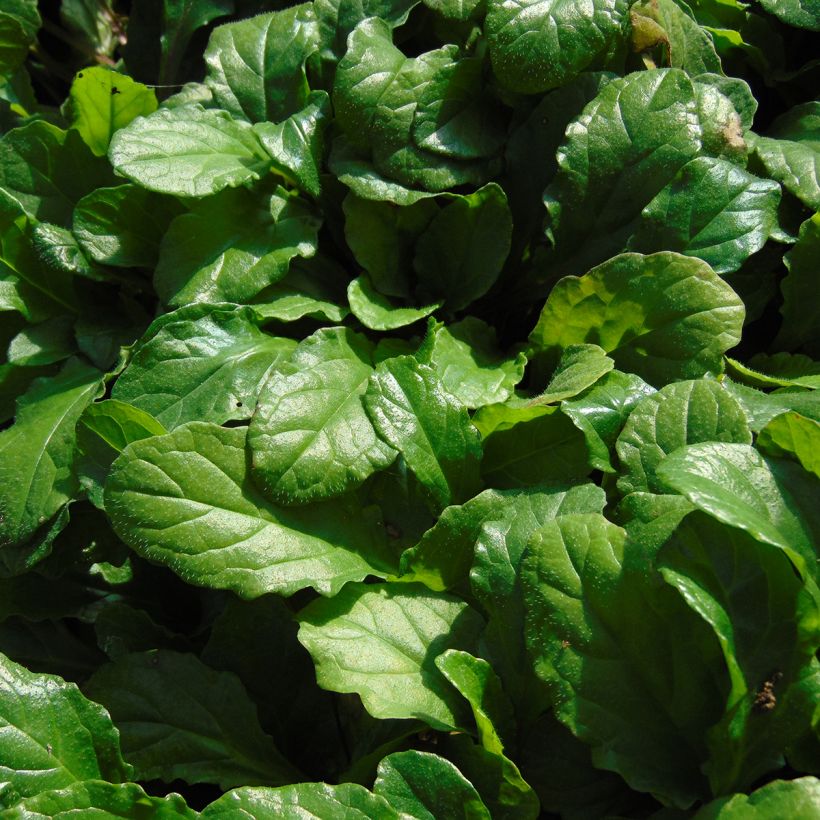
x: 239, y: 404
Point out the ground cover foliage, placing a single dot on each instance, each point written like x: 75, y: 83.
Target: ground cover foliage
x: 409, y: 409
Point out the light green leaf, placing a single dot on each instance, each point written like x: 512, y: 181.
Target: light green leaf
x: 310, y: 437
x: 603, y: 635
x: 678, y: 414
x: 256, y: 67
x: 123, y: 226
x: 773, y: 500
x: 188, y: 151
x: 466, y: 358
x: 794, y: 436
x: 413, y: 412
x: 186, y: 500
x: 201, y: 363
x: 801, y: 314
x: 104, y: 430
x: 536, y: 45
x: 52, y: 736
x: 102, y: 101
x: 347, y: 800
x: 381, y: 641
x: 797, y: 798
x: 712, y: 210
x: 790, y: 152
x: 296, y: 145
x: 377, y: 312
x: 48, y: 170
x: 424, y: 786
x: 600, y: 413
x: 460, y: 255
x: 579, y: 367
x: 37, y: 455
x: 662, y: 316
x: 178, y: 719
x: 231, y: 246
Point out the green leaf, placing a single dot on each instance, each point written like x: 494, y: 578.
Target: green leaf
x: 799, y: 13
x: 48, y: 170
x: 761, y: 408
x: 768, y: 626
x: 310, y: 437
x: 382, y: 238
x: 102, y: 101
x: 604, y: 636
x: 37, y: 456
x: 96, y: 798
x: 425, y: 786
x: 44, y: 343
x: 52, y: 736
x: 256, y: 67
x: 123, y: 226
x: 19, y: 22
x: 539, y: 136
x: 381, y: 642
x: 104, y: 430
x: 799, y: 308
x: 773, y: 500
x: 186, y: 500
x: 188, y: 151
x: 787, y: 370
x: 528, y: 445
x: 231, y: 246
x: 413, y: 412
x: 347, y: 800
x: 712, y: 210
x: 296, y: 145
x: 202, y: 362
x: 178, y: 719
x: 257, y: 640
x: 790, y: 152
x: 683, y: 43
x: 678, y: 414
x: 793, y: 436
x: 600, y: 413
x: 536, y: 45
x: 424, y: 121
x: 662, y: 316
x: 443, y: 556
x: 797, y: 798
x: 377, y: 312
x: 466, y: 358
x: 315, y: 289
x: 579, y: 367
x: 460, y: 254
x: 478, y: 683
x: 624, y: 148
x: 495, y: 580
